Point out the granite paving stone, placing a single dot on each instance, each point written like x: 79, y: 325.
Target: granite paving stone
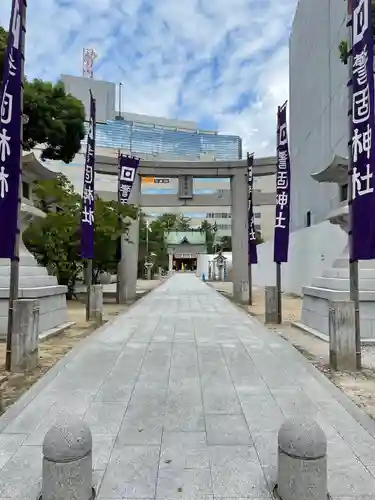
x: 185, y: 394
x: 227, y: 430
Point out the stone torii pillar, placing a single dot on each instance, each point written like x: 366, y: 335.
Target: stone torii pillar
x: 128, y: 268
x: 239, y: 194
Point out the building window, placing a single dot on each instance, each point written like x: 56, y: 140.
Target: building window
x: 344, y: 192
x: 308, y: 218
x: 257, y: 215
x: 26, y: 192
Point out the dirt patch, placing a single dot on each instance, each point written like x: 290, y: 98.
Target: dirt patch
x: 359, y: 387
x: 53, y: 349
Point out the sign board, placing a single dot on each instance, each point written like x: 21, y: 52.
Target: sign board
x: 155, y: 180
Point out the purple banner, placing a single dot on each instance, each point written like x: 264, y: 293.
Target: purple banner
x: 128, y: 166
x: 281, y: 234
x: 10, y: 133
x: 362, y: 203
x: 88, y: 195
x: 253, y: 257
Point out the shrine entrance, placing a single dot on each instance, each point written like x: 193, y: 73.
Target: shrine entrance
x: 185, y: 171
x: 184, y: 263
x: 183, y: 248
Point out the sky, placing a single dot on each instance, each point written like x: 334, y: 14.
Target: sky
x: 220, y: 63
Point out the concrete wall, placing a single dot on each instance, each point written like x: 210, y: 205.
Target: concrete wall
x: 318, y: 104
x: 311, y: 250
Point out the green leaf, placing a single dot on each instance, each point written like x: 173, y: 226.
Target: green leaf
x: 55, y: 240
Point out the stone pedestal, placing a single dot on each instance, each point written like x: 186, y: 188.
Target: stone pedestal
x: 128, y: 267
x: 239, y: 196
x: 342, y: 346
x: 271, y: 305
x: 96, y: 304
x: 333, y: 286
x: 25, y: 335
x: 34, y: 283
x: 170, y: 263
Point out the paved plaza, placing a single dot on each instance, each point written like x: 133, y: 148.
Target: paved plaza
x: 184, y: 395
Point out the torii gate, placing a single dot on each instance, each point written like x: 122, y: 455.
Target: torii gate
x: 185, y: 171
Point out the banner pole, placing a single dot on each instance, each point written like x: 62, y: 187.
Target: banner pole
x: 15, y: 262
x: 278, y: 264
x: 353, y: 265
x: 88, y: 288
x: 250, y: 278
x: 88, y: 206
x: 119, y: 240
x: 279, y: 299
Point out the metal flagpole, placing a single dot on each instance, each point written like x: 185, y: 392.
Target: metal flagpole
x: 88, y: 288
x: 88, y: 206
x: 120, y: 99
x: 15, y: 263
x: 250, y: 285
x: 353, y: 265
x: 278, y: 264
x: 279, y: 299
x: 147, y: 239
x: 119, y: 241
x: 282, y: 208
x: 252, y: 258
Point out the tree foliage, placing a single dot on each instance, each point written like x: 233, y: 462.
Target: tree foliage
x: 3, y: 46
x: 153, y: 246
x: 211, y: 240
x: 55, y: 240
x: 343, y: 47
x: 56, y: 119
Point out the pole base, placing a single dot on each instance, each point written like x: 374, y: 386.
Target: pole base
x: 93, y: 495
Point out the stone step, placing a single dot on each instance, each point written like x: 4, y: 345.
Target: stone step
x: 30, y: 281
x: 344, y: 273
x: 342, y: 284
x: 25, y: 271
x: 343, y: 262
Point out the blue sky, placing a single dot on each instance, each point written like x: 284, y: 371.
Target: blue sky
x: 221, y: 63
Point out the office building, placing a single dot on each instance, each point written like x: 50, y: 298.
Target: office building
x: 318, y: 106
x: 158, y: 138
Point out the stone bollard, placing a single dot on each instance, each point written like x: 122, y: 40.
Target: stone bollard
x: 271, y: 305
x: 67, y: 462
x: 342, y: 345
x: 302, y: 461
x: 96, y: 304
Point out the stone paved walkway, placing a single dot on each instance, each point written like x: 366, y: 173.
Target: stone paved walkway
x: 184, y: 395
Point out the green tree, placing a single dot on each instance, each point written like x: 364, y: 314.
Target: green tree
x: 56, y: 119
x: 156, y: 247
x: 3, y: 46
x: 225, y: 243
x: 258, y: 237
x: 209, y: 229
x: 343, y: 47
x: 55, y: 240
x: 174, y: 222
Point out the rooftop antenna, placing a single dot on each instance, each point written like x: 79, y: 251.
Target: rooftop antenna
x: 88, y: 58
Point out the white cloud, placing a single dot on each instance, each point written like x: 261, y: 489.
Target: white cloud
x: 191, y: 59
